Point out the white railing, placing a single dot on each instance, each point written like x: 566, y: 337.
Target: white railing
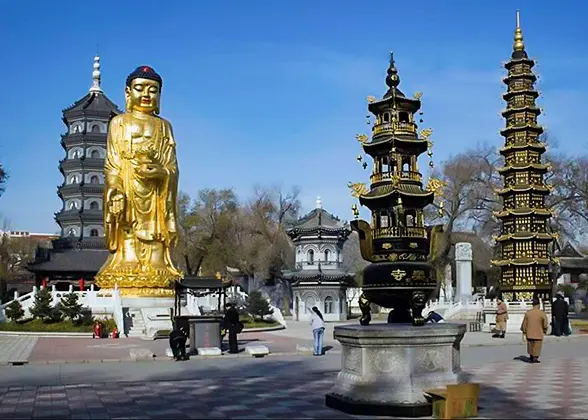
x: 102, y: 302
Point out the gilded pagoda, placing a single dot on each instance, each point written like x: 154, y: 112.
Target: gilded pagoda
x: 396, y: 241
x: 524, y: 241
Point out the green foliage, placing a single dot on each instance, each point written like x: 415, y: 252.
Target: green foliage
x: 37, y: 325
x: 257, y: 306
x: 70, y: 306
x: 42, y: 308
x: 14, y: 311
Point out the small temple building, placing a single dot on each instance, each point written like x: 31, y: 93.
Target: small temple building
x: 525, y: 240
x: 572, y: 265
x: 319, y: 279
x: 77, y: 255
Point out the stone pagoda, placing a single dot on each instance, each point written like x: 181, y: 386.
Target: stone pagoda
x: 525, y: 240
x: 319, y: 279
x: 397, y: 241
x: 80, y: 251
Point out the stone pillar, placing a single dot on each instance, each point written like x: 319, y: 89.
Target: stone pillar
x: 463, y: 268
x: 448, y: 284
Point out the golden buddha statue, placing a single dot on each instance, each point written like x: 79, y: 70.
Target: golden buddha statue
x: 140, y: 192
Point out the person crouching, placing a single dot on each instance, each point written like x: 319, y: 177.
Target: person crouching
x: 177, y: 342
x: 534, y: 327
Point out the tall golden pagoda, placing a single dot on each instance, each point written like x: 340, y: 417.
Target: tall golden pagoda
x: 524, y: 240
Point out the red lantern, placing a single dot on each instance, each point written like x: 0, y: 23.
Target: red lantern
x: 44, y: 283
x: 82, y: 284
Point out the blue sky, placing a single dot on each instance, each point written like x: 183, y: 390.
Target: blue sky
x: 273, y: 92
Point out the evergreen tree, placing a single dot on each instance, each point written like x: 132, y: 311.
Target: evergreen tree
x: 70, y: 306
x: 42, y: 308
x: 14, y: 311
x: 257, y: 305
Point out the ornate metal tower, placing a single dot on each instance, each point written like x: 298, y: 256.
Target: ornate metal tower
x: 524, y: 240
x: 396, y: 241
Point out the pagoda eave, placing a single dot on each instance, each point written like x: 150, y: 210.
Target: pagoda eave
x: 525, y: 237
x: 383, y: 142
x: 534, y: 188
x: 408, y: 198
x: 514, y: 61
x: 532, y: 92
x: 410, y: 104
x: 527, y: 76
x: 523, y: 212
x: 537, y: 146
x: 535, y: 166
x: 529, y: 108
x: 527, y: 127
x: 520, y: 262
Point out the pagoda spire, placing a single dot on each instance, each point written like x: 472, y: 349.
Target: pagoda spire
x: 519, y: 45
x: 96, y: 75
x: 392, y: 79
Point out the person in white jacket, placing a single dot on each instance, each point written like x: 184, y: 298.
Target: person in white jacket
x: 317, y: 324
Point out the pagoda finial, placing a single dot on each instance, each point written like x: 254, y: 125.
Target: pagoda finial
x: 319, y: 203
x: 96, y: 75
x: 392, y: 80
x: 519, y: 45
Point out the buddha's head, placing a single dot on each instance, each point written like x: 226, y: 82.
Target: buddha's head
x: 143, y: 90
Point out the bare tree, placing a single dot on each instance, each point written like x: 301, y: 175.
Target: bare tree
x: 466, y: 198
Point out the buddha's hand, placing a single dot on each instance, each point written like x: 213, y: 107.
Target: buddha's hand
x: 152, y: 170
x: 117, y: 203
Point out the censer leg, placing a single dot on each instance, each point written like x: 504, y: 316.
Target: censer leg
x: 366, y: 309
x: 418, y: 303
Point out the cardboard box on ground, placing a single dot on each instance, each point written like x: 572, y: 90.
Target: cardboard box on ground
x: 457, y: 401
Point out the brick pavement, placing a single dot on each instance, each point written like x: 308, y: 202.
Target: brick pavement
x: 16, y: 349
x: 554, y: 389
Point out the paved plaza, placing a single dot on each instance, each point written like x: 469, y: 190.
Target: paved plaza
x: 284, y: 384
x: 278, y: 387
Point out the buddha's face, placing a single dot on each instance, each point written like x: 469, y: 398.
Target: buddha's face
x: 143, y: 95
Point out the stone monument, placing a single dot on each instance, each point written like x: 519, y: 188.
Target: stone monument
x: 140, y: 200
x: 463, y: 271
x: 387, y: 367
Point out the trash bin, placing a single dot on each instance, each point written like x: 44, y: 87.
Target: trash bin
x: 205, y: 331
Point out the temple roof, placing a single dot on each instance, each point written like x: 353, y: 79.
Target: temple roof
x: 71, y: 260
x: 93, y: 101
x: 317, y: 275
x: 318, y: 219
x: 568, y: 251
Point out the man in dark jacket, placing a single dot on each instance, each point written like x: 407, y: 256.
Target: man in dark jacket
x: 232, y: 324
x: 177, y: 342
x: 559, y: 310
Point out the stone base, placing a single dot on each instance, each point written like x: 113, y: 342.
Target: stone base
x: 370, y: 409
x: 386, y: 368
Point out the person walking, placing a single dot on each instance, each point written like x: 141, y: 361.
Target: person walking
x: 317, y: 324
x: 559, y: 310
x: 534, y: 327
x: 233, y: 326
x: 501, y: 318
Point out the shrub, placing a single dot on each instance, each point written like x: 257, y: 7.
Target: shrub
x: 257, y: 305
x: 14, y: 311
x: 70, y: 306
x: 42, y: 308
